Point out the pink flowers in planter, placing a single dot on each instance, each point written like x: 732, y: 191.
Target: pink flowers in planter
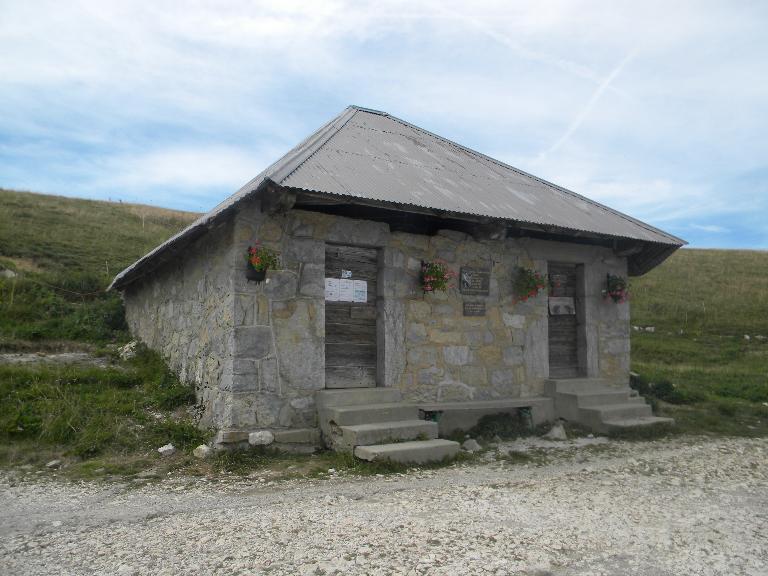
x: 616, y: 289
x: 528, y: 283
x: 435, y: 276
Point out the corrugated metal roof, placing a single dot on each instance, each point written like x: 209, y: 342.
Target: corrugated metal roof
x: 378, y: 157
x: 370, y: 155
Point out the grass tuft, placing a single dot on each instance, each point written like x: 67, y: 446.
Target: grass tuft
x: 90, y: 410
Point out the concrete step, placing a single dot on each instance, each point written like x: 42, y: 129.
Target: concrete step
x: 386, y: 433
x: 566, y: 385
x: 618, y: 411
x: 419, y: 452
x: 596, y: 397
x: 356, y: 396
x: 370, y: 413
x: 630, y: 423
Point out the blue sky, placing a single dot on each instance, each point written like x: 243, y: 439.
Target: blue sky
x: 658, y: 109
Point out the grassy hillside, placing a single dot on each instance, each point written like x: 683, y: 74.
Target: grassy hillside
x: 66, y: 251
x: 705, y: 292
x: 708, y: 354
x: 696, y: 365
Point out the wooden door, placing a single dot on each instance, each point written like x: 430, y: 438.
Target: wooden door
x: 350, y: 327
x: 563, y: 321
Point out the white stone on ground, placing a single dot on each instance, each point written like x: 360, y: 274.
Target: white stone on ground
x: 203, y: 451
x: 128, y: 351
x: 471, y: 445
x: 557, y: 432
x: 686, y: 506
x: 167, y: 450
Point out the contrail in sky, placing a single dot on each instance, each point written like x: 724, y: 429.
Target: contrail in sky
x: 596, y: 95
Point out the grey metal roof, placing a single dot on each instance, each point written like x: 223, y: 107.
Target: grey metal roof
x: 370, y: 155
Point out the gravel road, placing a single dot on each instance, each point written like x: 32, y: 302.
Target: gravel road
x: 683, y: 506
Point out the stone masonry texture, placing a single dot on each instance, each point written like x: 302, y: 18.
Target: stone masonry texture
x: 255, y: 352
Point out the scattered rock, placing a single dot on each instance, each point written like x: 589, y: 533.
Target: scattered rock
x: 177, y: 524
x: 747, y: 337
x: 6, y: 273
x: 128, y: 351
x: 471, y: 445
x: 557, y: 432
x: 650, y: 328
x: 167, y: 450
x: 261, y: 438
x: 202, y: 452
x: 53, y: 464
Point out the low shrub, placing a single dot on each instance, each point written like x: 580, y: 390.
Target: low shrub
x: 504, y: 425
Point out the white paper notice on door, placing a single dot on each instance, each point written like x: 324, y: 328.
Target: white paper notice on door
x: 346, y: 290
x: 332, y: 289
x: 360, y: 288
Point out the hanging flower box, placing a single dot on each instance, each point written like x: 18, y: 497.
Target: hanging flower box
x: 527, y: 283
x: 260, y: 259
x: 616, y: 289
x: 436, y: 277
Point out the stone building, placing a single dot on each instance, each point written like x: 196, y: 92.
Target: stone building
x: 341, y: 345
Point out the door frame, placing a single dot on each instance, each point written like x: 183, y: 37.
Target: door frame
x: 379, y: 328
x: 579, y: 300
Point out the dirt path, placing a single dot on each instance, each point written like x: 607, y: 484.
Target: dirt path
x: 53, y: 359
x: 656, y: 508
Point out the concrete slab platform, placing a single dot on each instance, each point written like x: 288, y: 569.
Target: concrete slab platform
x: 419, y: 452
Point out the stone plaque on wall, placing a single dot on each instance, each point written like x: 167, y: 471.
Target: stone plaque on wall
x: 474, y: 308
x: 475, y: 281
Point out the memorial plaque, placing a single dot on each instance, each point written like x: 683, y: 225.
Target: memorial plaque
x: 475, y: 281
x: 474, y: 308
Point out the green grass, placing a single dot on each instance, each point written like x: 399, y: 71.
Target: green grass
x: 707, y: 375
x: 87, y: 411
x: 66, y: 251
x: 712, y: 292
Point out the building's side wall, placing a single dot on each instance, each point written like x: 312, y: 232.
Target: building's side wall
x: 184, y: 310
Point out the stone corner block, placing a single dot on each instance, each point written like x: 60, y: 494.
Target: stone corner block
x: 230, y: 437
x: 253, y: 342
x: 298, y: 436
x: 281, y: 284
x: 261, y: 438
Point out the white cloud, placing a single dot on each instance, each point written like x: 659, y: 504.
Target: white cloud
x: 184, y: 168
x: 709, y: 228
x: 200, y: 96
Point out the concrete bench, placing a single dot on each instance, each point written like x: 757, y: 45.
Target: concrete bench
x: 452, y: 416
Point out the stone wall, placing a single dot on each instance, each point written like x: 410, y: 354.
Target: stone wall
x: 279, y: 324
x: 184, y: 310
x: 256, y: 351
x: 452, y: 357
x: 427, y: 347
